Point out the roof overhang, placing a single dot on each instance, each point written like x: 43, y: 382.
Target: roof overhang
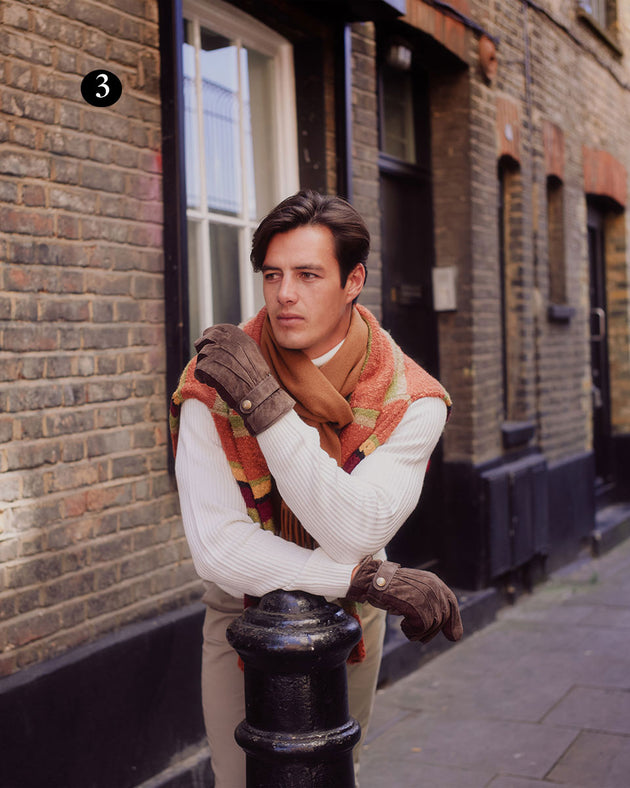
x: 357, y: 10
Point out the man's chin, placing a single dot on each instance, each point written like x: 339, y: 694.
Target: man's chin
x: 288, y: 338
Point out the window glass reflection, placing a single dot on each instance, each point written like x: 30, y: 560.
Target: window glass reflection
x: 399, y: 134
x: 219, y: 80
x: 191, y: 129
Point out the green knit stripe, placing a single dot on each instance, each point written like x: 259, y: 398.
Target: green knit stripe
x: 397, y: 389
x: 238, y: 425
x: 365, y: 417
x: 177, y: 395
x: 254, y: 514
x: 220, y: 407
x: 173, y: 421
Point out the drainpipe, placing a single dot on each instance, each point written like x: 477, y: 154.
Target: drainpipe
x: 536, y: 271
x: 344, y: 115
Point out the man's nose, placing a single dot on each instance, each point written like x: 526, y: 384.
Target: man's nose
x: 287, y: 293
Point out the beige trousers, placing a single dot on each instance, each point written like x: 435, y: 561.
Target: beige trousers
x: 223, y: 693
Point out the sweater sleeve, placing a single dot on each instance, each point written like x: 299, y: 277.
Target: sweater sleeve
x: 227, y: 547
x: 357, y: 514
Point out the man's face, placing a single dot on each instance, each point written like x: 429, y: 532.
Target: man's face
x: 308, y: 308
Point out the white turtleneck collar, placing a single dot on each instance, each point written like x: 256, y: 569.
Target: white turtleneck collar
x: 321, y: 360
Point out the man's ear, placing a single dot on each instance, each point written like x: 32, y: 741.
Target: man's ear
x: 355, y: 281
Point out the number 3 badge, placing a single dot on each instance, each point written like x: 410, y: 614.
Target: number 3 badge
x: 101, y: 88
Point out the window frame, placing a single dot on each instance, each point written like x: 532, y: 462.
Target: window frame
x: 247, y: 32
x: 605, y: 28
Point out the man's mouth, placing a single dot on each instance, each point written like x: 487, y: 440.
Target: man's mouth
x: 288, y: 319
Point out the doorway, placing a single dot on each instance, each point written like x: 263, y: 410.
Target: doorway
x: 408, y: 259
x: 600, y: 362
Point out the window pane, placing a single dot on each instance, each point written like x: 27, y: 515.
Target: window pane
x: 398, y: 122
x: 258, y: 118
x: 191, y: 129
x: 597, y: 9
x: 555, y: 241
x: 224, y: 263
x: 219, y: 74
x: 233, y: 167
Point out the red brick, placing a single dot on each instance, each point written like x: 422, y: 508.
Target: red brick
x: 100, y: 498
x: 29, y: 337
x: 15, y: 16
x: 34, y: 195
x: 23, y: 164
x: 32, y: 627
x: 30, y: 222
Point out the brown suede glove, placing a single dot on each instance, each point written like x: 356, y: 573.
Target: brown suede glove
x: 427, y: 604
x: 231, y: 362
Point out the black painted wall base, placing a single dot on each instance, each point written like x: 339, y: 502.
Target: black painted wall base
x: 571, y: 507
x: 480, y: 504
x: 621, y: 449
x: 108, y: 715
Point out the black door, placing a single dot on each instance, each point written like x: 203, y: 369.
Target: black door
x: 408, y: 260
x: 407, y: 233
x: 600, y: 371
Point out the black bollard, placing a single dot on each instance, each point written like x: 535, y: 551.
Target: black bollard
x: 297, y: 732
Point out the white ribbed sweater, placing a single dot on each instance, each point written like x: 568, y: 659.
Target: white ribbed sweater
x: 349, y: 515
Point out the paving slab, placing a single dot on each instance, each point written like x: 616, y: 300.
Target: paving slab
x: 410, y: 773
x: 470, y: 743
x: 519, y: 691
x: 593, y: 708
x: 509, y: 781
x: 595, y: 760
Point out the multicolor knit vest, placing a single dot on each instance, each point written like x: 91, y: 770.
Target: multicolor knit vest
x: 389, y: 382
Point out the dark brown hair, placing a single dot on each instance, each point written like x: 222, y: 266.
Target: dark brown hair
x: 351, y: 236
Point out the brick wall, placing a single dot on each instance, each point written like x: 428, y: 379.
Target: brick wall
x: 556, y: 70
x: 89, y: 533
x: 581, y: 90
x: 486, y: 361
x: 451, y: 163
x: 365, y: 175
x: 556, y: 75
x: 618, y: 318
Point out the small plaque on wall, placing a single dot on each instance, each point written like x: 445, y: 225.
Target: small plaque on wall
x: 444, y: 289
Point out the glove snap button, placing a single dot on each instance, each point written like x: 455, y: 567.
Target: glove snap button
x: 246, y: 405
x: 380, y: 582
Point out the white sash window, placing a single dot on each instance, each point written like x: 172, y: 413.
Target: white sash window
x: 240, y: 149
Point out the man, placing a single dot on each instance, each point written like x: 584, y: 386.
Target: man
x: 301, y: 446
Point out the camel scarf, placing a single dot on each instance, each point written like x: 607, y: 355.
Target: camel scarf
x: 321, y: 395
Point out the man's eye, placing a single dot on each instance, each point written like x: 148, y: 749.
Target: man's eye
x: 308, y: 275
x: 270, y: 276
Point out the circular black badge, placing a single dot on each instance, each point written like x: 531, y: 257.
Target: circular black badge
x: 101, y: 88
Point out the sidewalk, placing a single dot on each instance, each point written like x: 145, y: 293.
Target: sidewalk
x: 540, y: 697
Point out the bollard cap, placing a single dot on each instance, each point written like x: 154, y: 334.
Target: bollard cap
x: 292, y: 627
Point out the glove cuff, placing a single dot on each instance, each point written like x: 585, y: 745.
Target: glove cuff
x: 371, y: 578
x: 262, y: 391
x: 264, y: 405
x: 383, y: 576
